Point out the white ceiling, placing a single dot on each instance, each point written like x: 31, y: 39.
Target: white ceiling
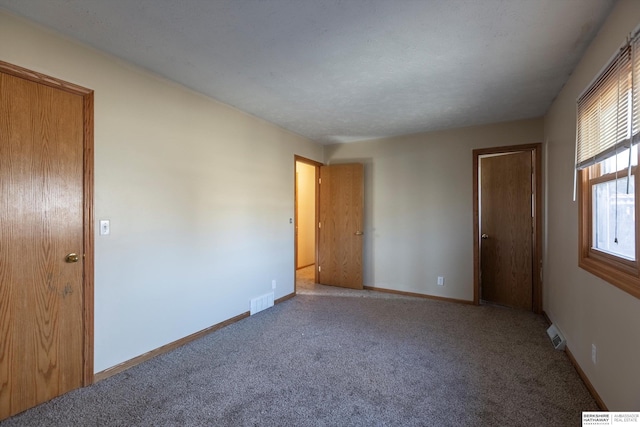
x: 346, y: 70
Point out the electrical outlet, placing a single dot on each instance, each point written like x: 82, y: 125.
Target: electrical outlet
x: 440, y: 281
x: 594, y: 354
x: 273, y: 284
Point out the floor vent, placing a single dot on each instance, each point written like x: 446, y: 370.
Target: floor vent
x: 556, y: 337
x: 261, y: 303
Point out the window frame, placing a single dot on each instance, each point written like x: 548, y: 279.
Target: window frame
x: 620, y: 272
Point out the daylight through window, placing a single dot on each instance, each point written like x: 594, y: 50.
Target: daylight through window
x: 608, y: 128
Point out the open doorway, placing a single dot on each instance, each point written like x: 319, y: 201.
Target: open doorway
x: 306, y: 220
x: 329, y: 207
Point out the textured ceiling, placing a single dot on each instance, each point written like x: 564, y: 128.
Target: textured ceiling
x: 346, y: 70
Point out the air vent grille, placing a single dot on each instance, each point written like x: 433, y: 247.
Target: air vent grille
x: 556, y: 338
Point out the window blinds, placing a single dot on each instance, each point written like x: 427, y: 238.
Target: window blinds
x: 608, y: 113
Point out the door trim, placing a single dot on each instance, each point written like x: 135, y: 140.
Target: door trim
x: 317, y: 165
x: 88, y: 204
x: 536, y: 253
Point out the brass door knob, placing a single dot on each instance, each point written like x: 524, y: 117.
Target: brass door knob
x: 72, y: 257
x: 359, y: 233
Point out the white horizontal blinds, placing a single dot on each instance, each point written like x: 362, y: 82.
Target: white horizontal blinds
x: 635, y: 78
x: 605, y: 112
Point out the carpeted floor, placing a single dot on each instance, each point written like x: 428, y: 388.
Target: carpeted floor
x: 324, y: 360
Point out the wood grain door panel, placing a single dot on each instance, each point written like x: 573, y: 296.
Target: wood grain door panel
x: 41, y: 221
x: 506, y: 220
x: 341, y: 231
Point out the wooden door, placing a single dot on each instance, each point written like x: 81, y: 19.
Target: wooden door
x: 341, y: 225
x: 42, y: 329
x: 506, y: 226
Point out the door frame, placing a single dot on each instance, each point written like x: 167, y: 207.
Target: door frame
x: 88, y: 203
x: 536, y: 253
x: 316, y: 165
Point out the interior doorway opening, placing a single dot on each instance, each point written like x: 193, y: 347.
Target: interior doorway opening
x: 329, y: 207
x: 306, y: 219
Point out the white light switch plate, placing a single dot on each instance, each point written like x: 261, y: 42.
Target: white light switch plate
x: 104, y: 227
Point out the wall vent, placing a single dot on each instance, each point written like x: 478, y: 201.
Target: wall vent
x: 556, y: 338
x: 261, y: 303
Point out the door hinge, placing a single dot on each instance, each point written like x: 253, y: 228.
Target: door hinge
x: 319, y: 269
x: 319, y: 225
x: 319, y: 181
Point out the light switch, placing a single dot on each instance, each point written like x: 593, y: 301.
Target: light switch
x: 104, y: 227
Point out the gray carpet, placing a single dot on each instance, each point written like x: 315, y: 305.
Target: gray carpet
x: 322, y: 360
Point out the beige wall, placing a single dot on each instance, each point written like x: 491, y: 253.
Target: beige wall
x: 306, y: 176
x: 193, y: 188
x: 586, y: 309
x: 419, y: 204
x: 199, y: 196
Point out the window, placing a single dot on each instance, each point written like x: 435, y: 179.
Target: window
x: 608, y: 128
